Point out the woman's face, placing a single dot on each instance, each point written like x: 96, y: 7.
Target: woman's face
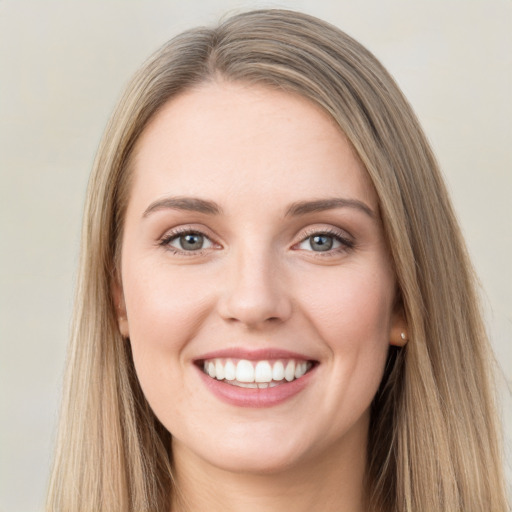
x: 256, y: 286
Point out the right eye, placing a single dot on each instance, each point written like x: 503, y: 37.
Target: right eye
x: 190, y: 241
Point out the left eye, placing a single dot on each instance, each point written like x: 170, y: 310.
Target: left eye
x: 190, y: 242
x: 320, y: 242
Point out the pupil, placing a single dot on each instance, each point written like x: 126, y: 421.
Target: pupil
x: 191, y: 241
x: 321, y: 242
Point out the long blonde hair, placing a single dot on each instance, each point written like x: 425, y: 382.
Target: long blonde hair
x: 433, y: 443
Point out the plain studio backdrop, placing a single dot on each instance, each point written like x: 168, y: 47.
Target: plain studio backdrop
x: 62, y: 68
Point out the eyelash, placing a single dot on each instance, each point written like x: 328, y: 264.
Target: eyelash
x: 346, y: 243
x: 179, y: 232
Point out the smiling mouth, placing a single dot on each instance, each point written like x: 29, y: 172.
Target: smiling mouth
x: 255, y: 374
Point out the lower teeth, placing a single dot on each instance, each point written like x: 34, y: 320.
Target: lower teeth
x: 253, y: 385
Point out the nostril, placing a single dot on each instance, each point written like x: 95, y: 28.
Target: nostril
x: 254, y: 295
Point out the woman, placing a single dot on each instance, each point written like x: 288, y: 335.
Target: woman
x: 275, y: 307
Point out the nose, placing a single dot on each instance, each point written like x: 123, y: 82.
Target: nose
x: 255, y: 293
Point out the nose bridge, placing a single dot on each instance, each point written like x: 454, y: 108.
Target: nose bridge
x: 255, y: 290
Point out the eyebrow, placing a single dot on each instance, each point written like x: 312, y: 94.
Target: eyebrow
x: 192, y: 204
x: 295, y: 209
x: 319, y: 205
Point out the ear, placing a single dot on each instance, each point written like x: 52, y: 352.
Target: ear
x: 119, y: 303
x: 398, y: 335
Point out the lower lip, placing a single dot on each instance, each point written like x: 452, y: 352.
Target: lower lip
x: 255, y: 397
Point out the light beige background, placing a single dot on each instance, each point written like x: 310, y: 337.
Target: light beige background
x: 62, y: 67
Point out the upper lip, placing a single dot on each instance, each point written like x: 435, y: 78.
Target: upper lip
x: 253, y: 355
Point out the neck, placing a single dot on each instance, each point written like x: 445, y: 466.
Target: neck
x: 328, y: 482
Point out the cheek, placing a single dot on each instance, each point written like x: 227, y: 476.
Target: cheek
x: 351, y: 306
x: 163, y: 308
x: 352, y: 313
x: 163, y: 316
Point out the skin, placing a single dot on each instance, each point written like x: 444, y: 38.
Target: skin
x: 257, y: 282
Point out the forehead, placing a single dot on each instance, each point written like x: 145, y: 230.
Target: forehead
x: 236, y: 139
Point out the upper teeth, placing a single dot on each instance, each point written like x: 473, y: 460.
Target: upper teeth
x: 245, y: 371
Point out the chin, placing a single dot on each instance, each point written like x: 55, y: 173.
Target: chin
x: 247, y: 452
x: 256, y: 462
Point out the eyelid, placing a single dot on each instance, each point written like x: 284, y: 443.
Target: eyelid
x: 178, y: 238
x: 345, y: 239
x: 173, y: 233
